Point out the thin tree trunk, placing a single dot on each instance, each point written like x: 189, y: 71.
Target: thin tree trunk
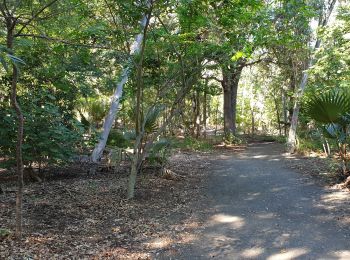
x: 20, y: 121
x: 139, y: 132
x: 205, y: 109
x: 216, y: 118
x: 115, y: 100
x: 198, y: 115
x: 292, y: 136
x: 253, y: 121
x: 284, y: 113
x: 139, y: 157
x: 278, y: 115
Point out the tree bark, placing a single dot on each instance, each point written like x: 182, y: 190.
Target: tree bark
x: 20, y: 120
x: 292, y: 136
x: 228, y: 107
x: 205, y: 116
x: 236, y: 75
x: 115, y: 100
x: 198, y: 115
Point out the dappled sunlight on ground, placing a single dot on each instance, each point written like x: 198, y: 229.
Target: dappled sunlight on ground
x: 160, y: 242
x: 252, y: 252
x: 336, y: 197
x: 263, y: 210
x: 342, y: 255
x: 287, y: 254
x: 234, y: 221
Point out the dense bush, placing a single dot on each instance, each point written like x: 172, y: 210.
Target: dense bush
x: 49, y: 137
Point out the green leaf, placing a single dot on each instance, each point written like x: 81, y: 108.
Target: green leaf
x: 237, y: 56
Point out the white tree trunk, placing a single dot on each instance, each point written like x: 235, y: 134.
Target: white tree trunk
x: 115, y: 99
x: 292, y: 135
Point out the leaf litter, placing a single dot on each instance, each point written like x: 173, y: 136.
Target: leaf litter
x: 76, y: 215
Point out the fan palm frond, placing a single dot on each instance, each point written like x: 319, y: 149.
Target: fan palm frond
x: 150, y: 121
x: 330, y: 107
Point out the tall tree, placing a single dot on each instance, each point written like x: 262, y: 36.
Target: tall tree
x: 115, y: 99
x: 15, y: 25
x: 325, y: 13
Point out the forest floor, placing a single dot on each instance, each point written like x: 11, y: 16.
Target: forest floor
x: 73, y: 214
x: 237, y: 203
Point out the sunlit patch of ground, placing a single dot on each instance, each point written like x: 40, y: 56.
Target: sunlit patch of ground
x: 234, y: 221
x: 287, y: 254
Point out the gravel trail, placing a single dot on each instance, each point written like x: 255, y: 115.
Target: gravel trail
x: 260, y: 209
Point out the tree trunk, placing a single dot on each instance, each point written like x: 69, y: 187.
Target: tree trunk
x: 198, y: 115
x: 20, y: 121
x: 228, y: 122
x: 235, y: 77
x: 205, y: 109
x: 253, y: 121
x: 284, y: 113
x: 115, y: 100
x: 135, y: 164
x: 292, y: 137
x: 278, y: 115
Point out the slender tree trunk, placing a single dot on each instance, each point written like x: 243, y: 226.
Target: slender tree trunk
x: 198, y: 114
x: 216, y: 118
x: 292, y: 136
x: 253, y: 121
x: 284, y: 108
x: 205, y: 109
x: 278, y: 115
x: 135, y: 164
x: 115, y: 100
x: 20, y: 121
x: 139, y: 157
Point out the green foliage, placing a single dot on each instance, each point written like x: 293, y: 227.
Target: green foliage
x: 307, y: 145
x: 150, y: 121
x: 48, y: 137
x: 193, y: 144
x: 160, y: 152
x: 329, y: 107
x: 234, y: 139
x: 331, y: 110
x: 119, y: 139
x: 333, y: 58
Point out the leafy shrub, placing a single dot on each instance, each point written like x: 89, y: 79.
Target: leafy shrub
x: 160, y: 152
x: 118, y: 139
x: 194, y: 144
x: 49, y: 137
x: 234, y: 139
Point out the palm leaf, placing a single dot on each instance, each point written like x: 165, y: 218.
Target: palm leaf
x: 150, y: 121
x: 329, y: 107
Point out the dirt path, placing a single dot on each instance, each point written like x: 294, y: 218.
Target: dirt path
x: 260, y: 209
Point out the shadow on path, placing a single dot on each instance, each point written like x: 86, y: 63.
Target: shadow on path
x: 259, y: 209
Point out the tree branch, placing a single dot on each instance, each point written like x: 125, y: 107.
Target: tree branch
x: 64, y: 41
x: 35, y: 16
x: 214, y: 78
